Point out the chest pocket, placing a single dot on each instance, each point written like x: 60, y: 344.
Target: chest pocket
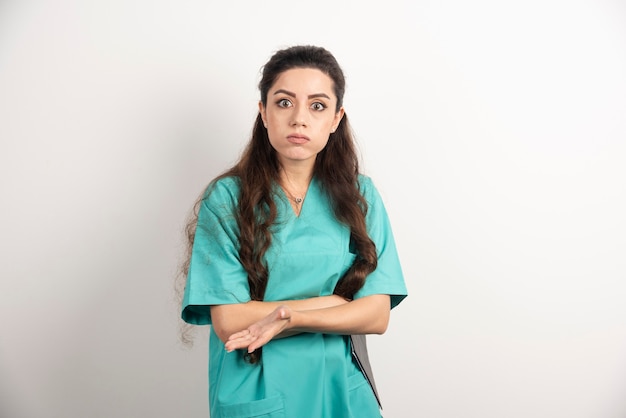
x: 272, y: 407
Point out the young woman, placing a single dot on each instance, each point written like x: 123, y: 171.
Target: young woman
x: 291, y: 253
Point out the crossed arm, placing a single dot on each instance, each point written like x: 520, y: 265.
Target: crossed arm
x: 252, y: 324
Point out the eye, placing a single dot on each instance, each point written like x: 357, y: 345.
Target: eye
x: 319, y: 106
x: 284, y: 103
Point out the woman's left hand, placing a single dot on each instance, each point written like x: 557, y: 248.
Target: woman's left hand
x: 261, y: 332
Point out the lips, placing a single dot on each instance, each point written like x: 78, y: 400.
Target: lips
x: 298, y: 139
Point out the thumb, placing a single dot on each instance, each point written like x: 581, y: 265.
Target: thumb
x: 283, y: 313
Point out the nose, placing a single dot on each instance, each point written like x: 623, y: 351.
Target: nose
x: 299, y: 117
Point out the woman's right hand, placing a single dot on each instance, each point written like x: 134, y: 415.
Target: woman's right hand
x: 261, y: 332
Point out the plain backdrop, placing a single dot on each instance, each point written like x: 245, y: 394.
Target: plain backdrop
x: 495, y: 132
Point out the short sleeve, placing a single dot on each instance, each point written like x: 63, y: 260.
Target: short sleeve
x: 215, y: 275
x: 388, y: 277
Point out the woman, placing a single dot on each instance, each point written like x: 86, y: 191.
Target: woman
x: 291, y: 253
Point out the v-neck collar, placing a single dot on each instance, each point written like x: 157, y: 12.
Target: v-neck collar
x: 311, y: 194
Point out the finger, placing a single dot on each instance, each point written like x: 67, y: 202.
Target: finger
x: 237, y: 344
x: 257, y: 343
x: 230, y: 347
x: 239, y: 339
x: 240, y: 334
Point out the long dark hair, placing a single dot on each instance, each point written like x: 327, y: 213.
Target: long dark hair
x: 336, y: 168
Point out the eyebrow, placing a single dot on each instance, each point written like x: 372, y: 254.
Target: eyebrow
x: 291, y: 94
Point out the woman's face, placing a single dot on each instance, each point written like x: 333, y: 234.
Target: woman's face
x: 300, y: 114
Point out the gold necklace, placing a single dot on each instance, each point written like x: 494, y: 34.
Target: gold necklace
x: 296, y: 199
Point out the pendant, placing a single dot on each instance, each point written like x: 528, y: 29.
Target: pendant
x: 298, y: 200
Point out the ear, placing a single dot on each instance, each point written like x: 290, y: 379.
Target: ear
x: 262, y: 113
x: 337, y: 119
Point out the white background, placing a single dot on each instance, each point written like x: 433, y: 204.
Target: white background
x: 495, y: 131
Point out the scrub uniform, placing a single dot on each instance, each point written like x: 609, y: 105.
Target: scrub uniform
x: 309, y: 374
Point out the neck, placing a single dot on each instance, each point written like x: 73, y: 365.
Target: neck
x: 296, y: 175
x: 295, y: 183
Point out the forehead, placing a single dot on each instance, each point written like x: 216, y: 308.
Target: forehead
x: 304, y: 81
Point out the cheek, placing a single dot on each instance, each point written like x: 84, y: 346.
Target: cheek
x: 274, y: 122
x: 328, y: 125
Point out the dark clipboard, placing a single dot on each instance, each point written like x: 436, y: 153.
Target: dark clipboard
x: 358, y: 344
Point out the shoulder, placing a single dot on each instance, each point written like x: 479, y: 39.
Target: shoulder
x: 222, y: 186
x: 222, y: 193
x: 365, y: 182
x: 367, y: 188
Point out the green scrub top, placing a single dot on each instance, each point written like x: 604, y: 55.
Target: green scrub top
x: 309, y: 374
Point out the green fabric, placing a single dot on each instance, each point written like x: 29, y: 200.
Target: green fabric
x: 310, y: 374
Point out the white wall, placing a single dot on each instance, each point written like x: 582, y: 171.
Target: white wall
x: 496, y: 132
